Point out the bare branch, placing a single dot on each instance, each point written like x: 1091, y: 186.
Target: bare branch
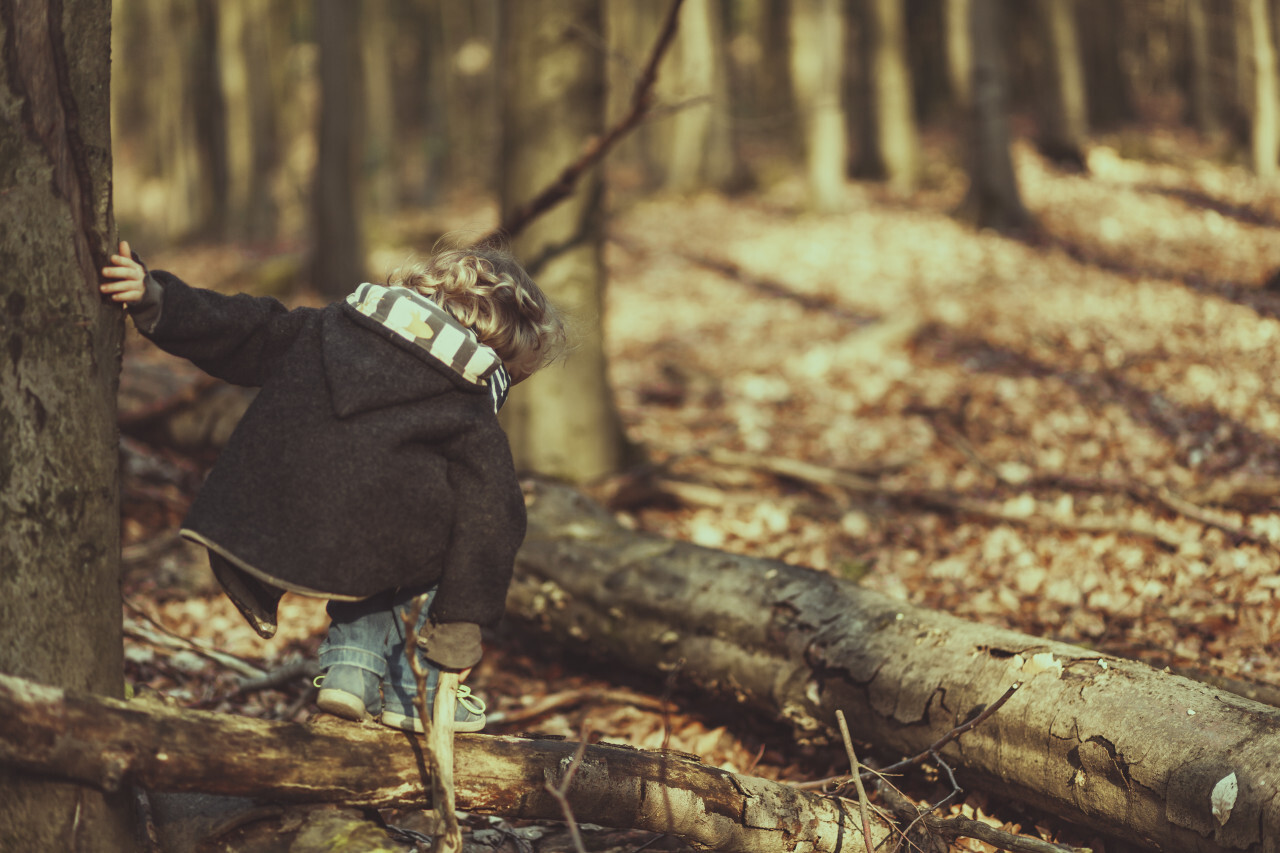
x: 438, y: 744
x: 562, y: 187
x: 954, y: 733
x: 963, y: 827
x: 163, y: 637
x: 561, y: 791
x: 843, y: 782
x: 856, y: 772
x: 568, y: 698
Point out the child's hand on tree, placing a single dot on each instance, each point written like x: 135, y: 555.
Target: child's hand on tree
x: 125, y: 281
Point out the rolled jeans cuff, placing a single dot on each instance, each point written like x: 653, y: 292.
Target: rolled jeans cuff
x: 331, y: 656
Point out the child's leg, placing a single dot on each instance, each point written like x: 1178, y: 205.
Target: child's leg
x: 400, y: 689
x: 353, y: 656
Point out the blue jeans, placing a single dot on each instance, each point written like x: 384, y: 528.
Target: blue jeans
x: 370, y: 635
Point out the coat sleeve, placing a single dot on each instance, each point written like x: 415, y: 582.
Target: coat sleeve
x: 488, y: 527
x: 234, y: 338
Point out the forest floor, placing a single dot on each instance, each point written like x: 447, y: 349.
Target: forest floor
x: 1075, y: 434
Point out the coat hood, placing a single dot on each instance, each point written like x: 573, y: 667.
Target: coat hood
x: 362, y: 378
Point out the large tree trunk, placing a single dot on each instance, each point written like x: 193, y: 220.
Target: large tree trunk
x: 630, y: 29
x: 208, y: 107
x: 1064, y: 106
x: 163, y: 55
x: 993, y: 200
x: 1111, y: 101
x: 1099, y: 740
x: 959, y: 51
x: 108, y: 743
x: 59, y: 505
x: 252, y: 137
x: 338, y: 264
x: 468, y: 83
x: 378, y: 49
x: 895, y: 146
x: 1264, y: 112
x: 761, y: 82
x: 703, y: 151
x: 817, y: 72
x: 1204, y: 109
x: 562, y: 422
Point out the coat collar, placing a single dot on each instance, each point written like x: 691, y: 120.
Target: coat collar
x: 426, y: 325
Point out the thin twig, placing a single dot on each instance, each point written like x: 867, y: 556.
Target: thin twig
x: 856, y: 772
x: 963, y: 827
x: 561, y: 792
x: 566, y: 698
x: 562, y: 187
x: 150, y: 549
x: 166, y: 638
x: 960, y: 826
x: 843, y: 782
x: 415, y: 664
x: 439, y: 797
x: 146, y: 816
x: 279, y: 677
x: 305, y: 698
x: 956, y: 732
x: 894, y: 798
x: 956, y: 790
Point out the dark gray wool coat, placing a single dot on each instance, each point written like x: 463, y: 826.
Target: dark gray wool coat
x: 365, y: 464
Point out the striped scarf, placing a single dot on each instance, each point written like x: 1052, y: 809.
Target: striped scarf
x: 426, y: 325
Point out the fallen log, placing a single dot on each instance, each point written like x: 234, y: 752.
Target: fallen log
x: 1140, y: 754
x: 108, y: 743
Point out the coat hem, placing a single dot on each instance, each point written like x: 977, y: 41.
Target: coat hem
x: 199, y: 539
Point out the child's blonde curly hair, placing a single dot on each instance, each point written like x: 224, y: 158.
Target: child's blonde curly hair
x: 486, y: 289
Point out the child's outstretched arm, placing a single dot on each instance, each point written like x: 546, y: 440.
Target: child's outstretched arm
x: 125, y: 280
x: 235, y: 338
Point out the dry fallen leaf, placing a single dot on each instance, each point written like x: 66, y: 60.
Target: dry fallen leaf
x: 1223, y: 798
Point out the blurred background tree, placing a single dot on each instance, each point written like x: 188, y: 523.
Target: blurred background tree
x: 562, y: 422
x: 337, y: 188
x: 328, y: 139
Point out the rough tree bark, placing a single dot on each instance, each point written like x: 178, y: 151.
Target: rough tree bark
x: 109, y: 743
x: 59, y: 507
x: 1101, y: 741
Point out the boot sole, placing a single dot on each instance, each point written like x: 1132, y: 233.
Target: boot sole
x: 340, y: 703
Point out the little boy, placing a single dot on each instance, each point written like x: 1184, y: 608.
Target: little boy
x: 370, y: 469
